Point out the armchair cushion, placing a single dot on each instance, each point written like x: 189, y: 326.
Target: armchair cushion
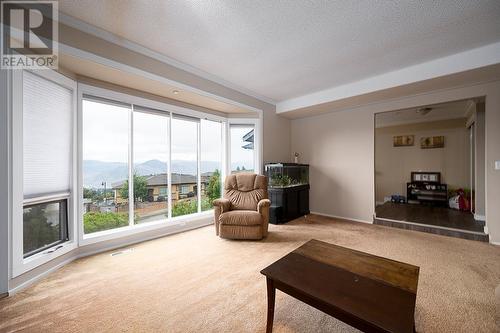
x: 241, y: 217
x: 245, y: 190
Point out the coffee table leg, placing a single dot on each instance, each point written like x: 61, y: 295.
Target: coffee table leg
x: 271, y: 292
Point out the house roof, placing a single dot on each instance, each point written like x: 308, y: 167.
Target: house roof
x: 249, y: 137
x: 162, y: 179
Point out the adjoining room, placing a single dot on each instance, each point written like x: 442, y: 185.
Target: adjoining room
x: 429, y: 168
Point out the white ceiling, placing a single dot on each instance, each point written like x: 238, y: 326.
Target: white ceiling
x: 285, y: 49
x: 443, y: 111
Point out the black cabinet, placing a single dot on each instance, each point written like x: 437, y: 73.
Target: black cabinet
x: 288, y: 190
x: 288, y: 203
x: 426, y: 187
x: 436, y: 194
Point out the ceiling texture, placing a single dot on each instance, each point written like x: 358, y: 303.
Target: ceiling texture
x: 436, y: 112
x: 286, y: 49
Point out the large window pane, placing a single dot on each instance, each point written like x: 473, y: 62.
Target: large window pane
x: 242, y: 148
x: 150, y: 167
x: 44, y: 225
x: 184, y: 166
x: 211, y: 162
x: 105, y: 165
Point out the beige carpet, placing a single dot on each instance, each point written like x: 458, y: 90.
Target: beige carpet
x: 196, y: 282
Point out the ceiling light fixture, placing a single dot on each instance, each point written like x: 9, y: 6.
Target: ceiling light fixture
x: 424, y: 111
x: 175, y: 92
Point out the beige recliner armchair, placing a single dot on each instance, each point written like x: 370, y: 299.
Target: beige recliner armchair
x: 243, y: 213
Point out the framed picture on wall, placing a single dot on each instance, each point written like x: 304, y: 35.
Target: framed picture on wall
x: 403, y: 140
x: 425, y: 177
x: 432, y: 142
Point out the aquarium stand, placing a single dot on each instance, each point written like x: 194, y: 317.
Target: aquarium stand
x: 288, y: 187
x: 288, y: 203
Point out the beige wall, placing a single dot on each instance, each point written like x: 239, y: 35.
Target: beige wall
x: 340, y: 148
x: 492, y: 121
x: 393, y: 165
x: 276, y: 131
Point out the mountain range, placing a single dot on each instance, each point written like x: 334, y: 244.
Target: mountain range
x: 96, y: 172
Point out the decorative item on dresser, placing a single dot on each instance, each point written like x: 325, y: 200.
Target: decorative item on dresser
x: 426, y: 187
x: 288, y: 190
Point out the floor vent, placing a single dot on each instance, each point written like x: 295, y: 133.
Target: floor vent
x: 124, y: 251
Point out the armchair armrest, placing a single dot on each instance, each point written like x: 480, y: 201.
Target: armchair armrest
x: 263, y: 209
x: 223, y: 204
x: 220, y: 206
x: 263, y: 203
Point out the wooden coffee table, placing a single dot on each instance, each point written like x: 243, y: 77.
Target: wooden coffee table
x: 371, y: 293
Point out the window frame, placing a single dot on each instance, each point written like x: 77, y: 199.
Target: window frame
x: 20, y: 264
x: 63, y: 217
x: 161, y: 108
x: 257, y: 124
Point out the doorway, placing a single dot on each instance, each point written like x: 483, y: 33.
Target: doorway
x: 429, y: 169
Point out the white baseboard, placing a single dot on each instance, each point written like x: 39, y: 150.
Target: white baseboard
x: 342, y: 217
x: 479, y: 217
x: 495, y: 243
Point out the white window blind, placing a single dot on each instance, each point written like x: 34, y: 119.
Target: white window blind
x: 47, y: 139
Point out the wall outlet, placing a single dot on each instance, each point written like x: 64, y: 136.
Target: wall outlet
x: 497, y: 165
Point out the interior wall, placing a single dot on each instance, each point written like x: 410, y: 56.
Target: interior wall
x: 480, y: 209
x: 492, y: 125
x: 393, y: 165
x: 339, y: 147
x: 276, y: 131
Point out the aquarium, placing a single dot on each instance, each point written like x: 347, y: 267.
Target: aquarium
x: 281, y: 175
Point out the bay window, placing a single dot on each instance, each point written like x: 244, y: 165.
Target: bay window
x: 111, y: 167
x: 146, y: 164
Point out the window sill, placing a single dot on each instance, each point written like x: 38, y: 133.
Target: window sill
x: 41, y: 258
x: 102, y: 236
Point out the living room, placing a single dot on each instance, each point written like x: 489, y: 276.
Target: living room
x: 212, y: 166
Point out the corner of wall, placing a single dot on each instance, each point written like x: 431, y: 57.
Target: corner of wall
x: 4, y: 181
